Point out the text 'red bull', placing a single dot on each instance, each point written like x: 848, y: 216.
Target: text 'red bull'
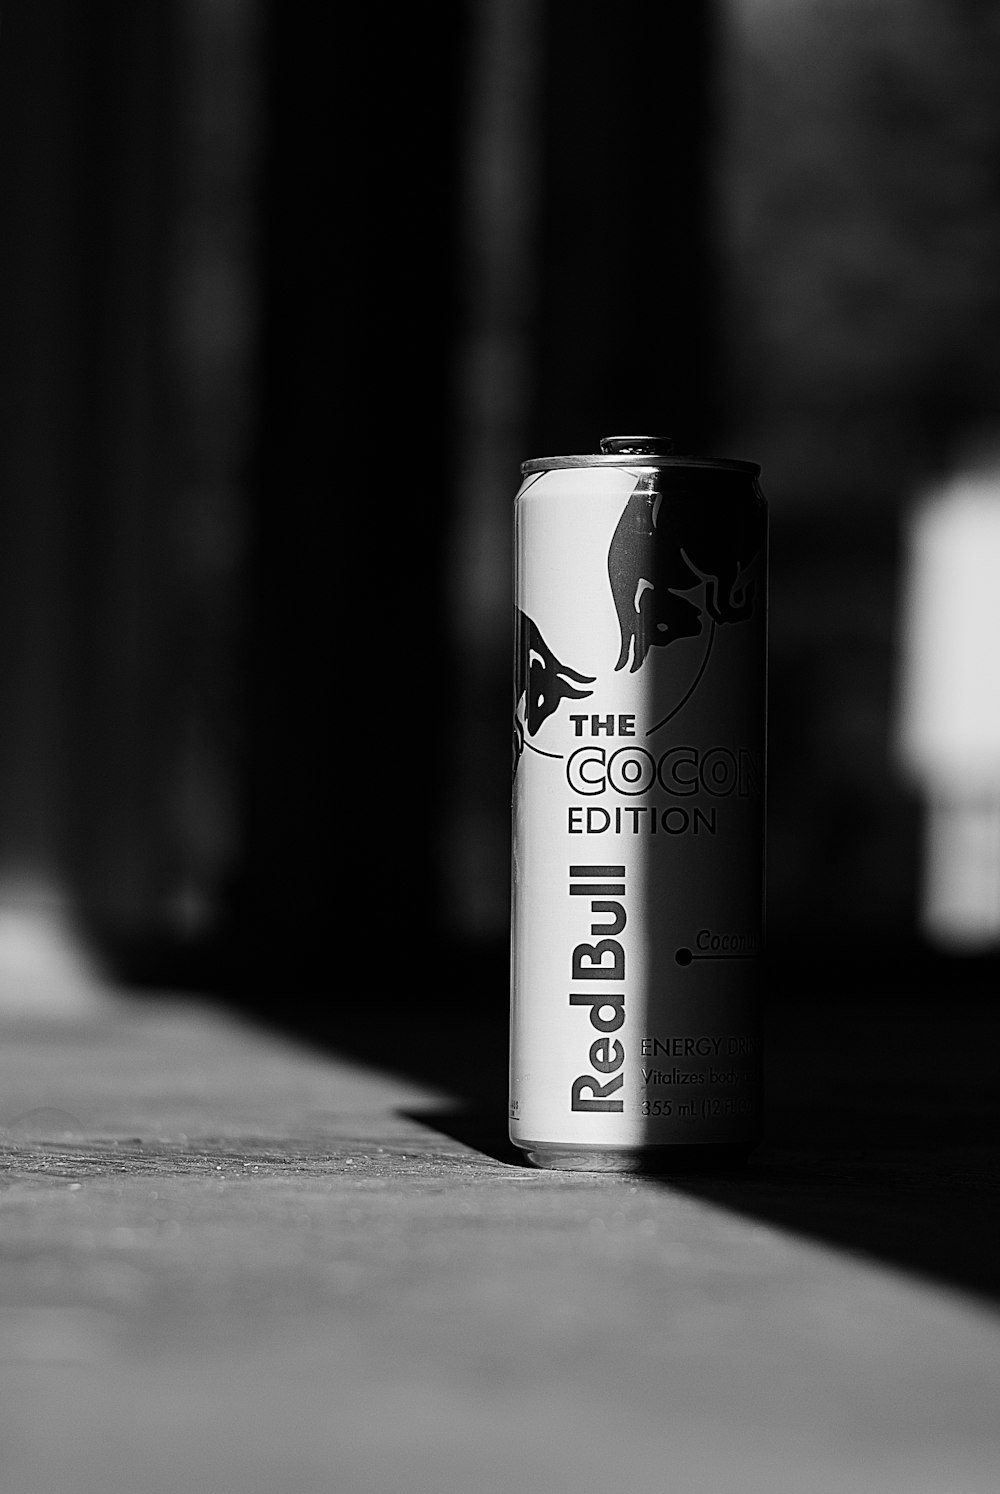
x: 602, y: 961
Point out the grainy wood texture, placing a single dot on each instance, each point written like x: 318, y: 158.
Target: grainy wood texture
x: 231, y: 1265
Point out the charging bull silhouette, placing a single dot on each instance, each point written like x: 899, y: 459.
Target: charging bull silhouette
x: 541, y: 679
x: 661, y: 548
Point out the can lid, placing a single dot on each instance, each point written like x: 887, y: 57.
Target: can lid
x: 636, y: 445
x: 637, y: 451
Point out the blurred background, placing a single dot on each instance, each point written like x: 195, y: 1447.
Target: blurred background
x: 282, y: 309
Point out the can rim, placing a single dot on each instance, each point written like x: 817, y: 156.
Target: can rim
x: 637, y: 461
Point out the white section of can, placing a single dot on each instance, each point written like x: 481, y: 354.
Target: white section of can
x: 638, y: 808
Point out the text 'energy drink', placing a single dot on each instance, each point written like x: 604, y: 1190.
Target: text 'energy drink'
x: 638, y: 803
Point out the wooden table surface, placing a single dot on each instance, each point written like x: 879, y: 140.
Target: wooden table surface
x: 229, y: 1262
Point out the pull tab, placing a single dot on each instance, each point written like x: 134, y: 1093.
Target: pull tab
x: 636, y: 445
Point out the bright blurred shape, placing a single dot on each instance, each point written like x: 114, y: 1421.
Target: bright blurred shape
x: 950, y: 701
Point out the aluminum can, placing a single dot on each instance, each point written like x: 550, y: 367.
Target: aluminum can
x: 638, y: 809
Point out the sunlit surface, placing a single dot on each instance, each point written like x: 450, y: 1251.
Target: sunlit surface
x: 234, y: 1266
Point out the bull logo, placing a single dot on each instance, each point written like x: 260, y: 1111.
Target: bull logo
x: 541, y: 680
x: 661, y: 550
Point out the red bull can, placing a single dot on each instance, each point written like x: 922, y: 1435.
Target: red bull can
x: 638, y: 809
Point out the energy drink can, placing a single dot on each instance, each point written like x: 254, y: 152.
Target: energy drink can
x: 638, y: 809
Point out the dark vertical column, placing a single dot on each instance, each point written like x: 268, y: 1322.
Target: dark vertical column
x: 82, y: 441
x: 43, y: 163
x: 287, y: 876
x: 626, y: 337
x: 348, y: 661
x: 117, y: 802
x: 494, y: 359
